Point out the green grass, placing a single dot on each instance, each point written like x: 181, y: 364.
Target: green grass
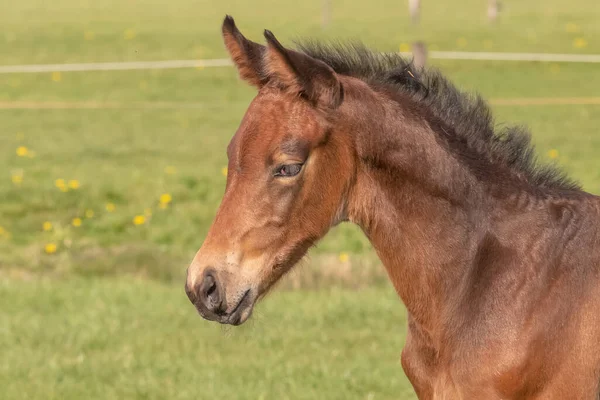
x: 140, y: 338
x: 131, y: 339
x: 120, y: 156
x: 130, y: 155
x: 38, y: 31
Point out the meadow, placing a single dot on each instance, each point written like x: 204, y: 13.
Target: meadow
x: 110, y: 180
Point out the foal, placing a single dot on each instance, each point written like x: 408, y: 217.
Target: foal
x: 496, y: 259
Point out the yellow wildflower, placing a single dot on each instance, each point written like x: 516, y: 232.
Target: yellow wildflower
x: 110, y: 207
x: 56, y: 76
x: 553, y: 153
x: 170, y: 170
x: 344, y: 257
x: 404, y: 47
x: 74, y: 184
x: 224, y: 171
x: 50, y: 248
x: 580, y: 43
x: 572, y: 28
x: 47, y: 226
x: 17, y: 178
x: 129, y: 34
x: 76, y: 222
x: 22, y: 151
x: 60, y: 183
x: 165, y: 198
x: 89, y: 213
x: 139, y: 220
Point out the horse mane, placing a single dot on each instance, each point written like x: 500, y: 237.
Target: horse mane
x: 467, y: 115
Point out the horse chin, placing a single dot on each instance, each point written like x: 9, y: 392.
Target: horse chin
x: 241, y: 315
x: 242, y: 311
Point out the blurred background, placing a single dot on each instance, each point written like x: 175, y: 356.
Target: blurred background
x: 110, y: 177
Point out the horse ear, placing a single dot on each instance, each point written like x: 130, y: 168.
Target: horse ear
x: 246, y: 55
x: 302, y: 74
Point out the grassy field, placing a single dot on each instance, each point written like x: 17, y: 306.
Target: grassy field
x: 82, y: 187
x: 132, y: 339
x: 37, y: 31
x: 109, y: 181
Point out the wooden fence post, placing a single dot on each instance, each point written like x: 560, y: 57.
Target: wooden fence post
x: 414, y: 8
x: 419, y: 50
x: 493, y: 10
x: 326, y: 13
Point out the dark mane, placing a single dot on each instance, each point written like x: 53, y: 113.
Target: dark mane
x: 468, y: 116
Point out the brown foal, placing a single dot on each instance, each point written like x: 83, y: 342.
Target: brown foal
x: 496, y: 258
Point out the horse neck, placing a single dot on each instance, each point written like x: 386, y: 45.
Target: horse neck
x: 415, y: 202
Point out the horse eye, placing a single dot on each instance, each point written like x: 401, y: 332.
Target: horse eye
x: 288, y: 170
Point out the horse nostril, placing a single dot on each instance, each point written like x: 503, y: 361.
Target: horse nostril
x: 209, y: 293
x: 211, y: 290
x: 212, y: 297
